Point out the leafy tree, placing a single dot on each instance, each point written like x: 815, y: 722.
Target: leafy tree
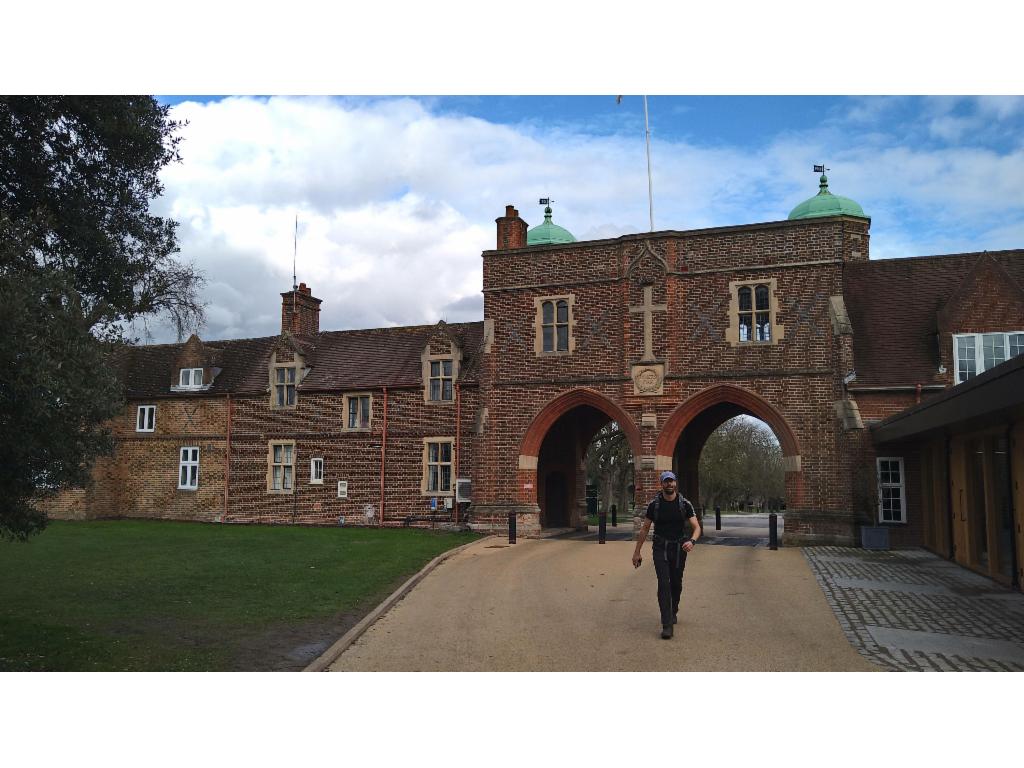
x: 80, y: 257
x: 741, y: 464
x: 609, y: 466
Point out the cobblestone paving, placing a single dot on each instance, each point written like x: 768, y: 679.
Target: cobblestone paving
x: 910, y: 610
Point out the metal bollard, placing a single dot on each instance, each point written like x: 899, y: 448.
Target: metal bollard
x: 718, y: 519
x: 615, y: 516
x: 773, y: 531
x: 602, y: 528
x: 511, y: 527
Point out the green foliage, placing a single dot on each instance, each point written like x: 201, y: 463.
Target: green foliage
x: 609, y: 466
x: 80, y: 255
x: 741, y: 464
x: 158, y: 595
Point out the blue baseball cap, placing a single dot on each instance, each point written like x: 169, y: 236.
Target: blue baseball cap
x: 667, y: 475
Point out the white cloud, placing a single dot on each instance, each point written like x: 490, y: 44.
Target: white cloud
x: 396, y: 201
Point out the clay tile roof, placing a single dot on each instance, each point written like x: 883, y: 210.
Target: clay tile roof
x: 894, y: 304
x: 339, y: 359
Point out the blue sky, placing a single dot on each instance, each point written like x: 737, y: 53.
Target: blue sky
x: 401, y: 192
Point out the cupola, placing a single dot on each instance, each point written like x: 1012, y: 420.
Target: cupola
x: 549, y: 233
x: 826, y: 204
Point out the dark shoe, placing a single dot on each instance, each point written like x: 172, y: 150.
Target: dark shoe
x: 666, y: 632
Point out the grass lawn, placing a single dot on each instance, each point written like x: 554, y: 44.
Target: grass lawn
x: 152, y: 595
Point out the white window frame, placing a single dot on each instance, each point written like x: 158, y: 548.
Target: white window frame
x: 192, y: 378
x: 150, y: 418
x: 979, y: 351
x: 186, y: 462
x: 902, y: 485
x: 343, y: 489
x: 316, y: 477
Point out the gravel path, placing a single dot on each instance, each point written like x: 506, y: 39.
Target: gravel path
x: 570, y: 604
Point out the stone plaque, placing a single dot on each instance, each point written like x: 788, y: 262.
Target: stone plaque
x: 648, y: 379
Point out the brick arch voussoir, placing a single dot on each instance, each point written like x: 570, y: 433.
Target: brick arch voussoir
x: 726, y: 393
x: 564, y: 403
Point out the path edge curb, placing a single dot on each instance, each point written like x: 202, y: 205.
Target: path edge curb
x: 328, y: 657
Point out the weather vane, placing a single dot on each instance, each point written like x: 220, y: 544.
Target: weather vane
x: 545, y: 201
x: 821, y: 168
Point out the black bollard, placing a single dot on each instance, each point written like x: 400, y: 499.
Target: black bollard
x: 718, y: 519
x: 511, y: 527
x: 602, y: 528
x: 615, y: 517
x: 773, y: 531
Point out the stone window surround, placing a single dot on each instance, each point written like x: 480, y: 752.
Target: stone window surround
x: 538, y: 325
x: 270, y: 467
x: 425, y: 474
x: 455, y: 355
x: 732, y: 332
x: 345, y: 401
x: 299, y: 367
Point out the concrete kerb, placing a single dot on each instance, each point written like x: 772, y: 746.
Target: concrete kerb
x: 328, y: 657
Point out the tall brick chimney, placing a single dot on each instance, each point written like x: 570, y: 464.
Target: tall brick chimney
x: 511, y: 230
x: 300, y: 312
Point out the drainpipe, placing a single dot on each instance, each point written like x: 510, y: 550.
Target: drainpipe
x: 458, y: 422
x: 917, y: 394
x: 227, y: 460
x: 383, y: 455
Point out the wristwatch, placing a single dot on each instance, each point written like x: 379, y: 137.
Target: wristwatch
x: 694, y: 542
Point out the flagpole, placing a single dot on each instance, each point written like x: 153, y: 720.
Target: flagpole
x: 650, y: 188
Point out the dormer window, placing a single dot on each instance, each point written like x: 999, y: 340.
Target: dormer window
x: 441, y: 380
x: 284, y: 387
x: 190, y: 378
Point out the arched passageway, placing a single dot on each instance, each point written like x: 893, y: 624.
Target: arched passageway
x: 686, y: 431
x: 551, y: 459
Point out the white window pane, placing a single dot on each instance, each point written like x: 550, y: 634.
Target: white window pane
x: 432, y: 452
x: 276, y: 482
x: 184, y: 377
x: 193, y: 476
x: 446, y: 451
x: 446, y: 477
x: 435, y: 368
x: 277, y: 454
x: 447, y: 367
x: 287, y: 478
x: 151, y: 418
x: 141, y: 421
x: 1016, y: 344
x: 966, y: 359
x: 549, y: 338
x: 563, y: 338
x: 182, y: 475
x: 993, y: 349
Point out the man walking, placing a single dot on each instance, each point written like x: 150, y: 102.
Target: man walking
x: 670, y: 513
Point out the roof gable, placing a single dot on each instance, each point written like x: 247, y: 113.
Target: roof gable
x: 986, y: 291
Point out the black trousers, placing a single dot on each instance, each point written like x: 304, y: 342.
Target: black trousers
x: 669, y: 563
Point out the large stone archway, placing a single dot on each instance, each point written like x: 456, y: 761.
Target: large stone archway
x: 692, y: 422
x: 553, y: 447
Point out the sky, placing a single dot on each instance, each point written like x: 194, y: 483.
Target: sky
x: 396, y: 196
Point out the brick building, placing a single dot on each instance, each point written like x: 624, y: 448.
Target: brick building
x: 667, y: 333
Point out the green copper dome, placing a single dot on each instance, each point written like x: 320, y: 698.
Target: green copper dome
x: 826, y: 204
x: 548, y: 233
